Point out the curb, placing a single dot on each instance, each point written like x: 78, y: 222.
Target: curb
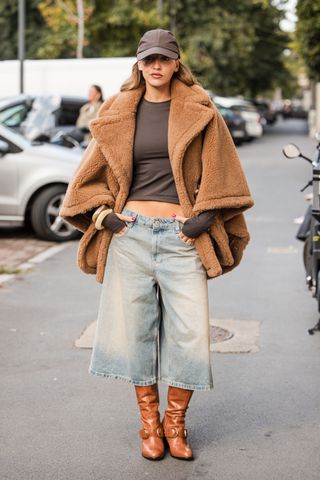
x: 31, y: 262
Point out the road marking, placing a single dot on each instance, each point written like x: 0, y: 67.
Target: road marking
x: 265, y: 219
x: 289, y: 249
x: 86, y: 337
x: 31, y: 262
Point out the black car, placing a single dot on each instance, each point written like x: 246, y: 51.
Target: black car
x: 266, y: 111
x: 235, y: 123
x: 292, y: 110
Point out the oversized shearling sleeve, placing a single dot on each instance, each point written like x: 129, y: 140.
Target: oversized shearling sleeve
x: 88, y: 188
x: 223, y: 184
x: 223, y: 187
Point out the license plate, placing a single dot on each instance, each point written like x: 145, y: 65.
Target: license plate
x: 238, y: 133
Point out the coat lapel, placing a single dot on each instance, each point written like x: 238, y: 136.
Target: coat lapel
x: 114, y: 129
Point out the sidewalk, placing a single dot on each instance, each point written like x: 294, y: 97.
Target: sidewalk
x: 20, y: 249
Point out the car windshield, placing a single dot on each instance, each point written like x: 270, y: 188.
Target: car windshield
x: 13, y: 116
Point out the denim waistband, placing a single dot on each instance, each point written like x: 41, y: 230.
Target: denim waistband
x: 156, y: 223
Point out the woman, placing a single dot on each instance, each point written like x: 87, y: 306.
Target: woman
x: 89, y: 110
x: 159, y: 195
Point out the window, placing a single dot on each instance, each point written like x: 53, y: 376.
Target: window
x: 13, y: 116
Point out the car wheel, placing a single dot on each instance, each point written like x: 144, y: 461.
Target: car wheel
x: 45, y: 218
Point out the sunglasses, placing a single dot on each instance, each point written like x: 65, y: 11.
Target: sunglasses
x: 152, y: 58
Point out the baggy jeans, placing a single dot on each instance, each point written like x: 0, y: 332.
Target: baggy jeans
x: 153, y: 316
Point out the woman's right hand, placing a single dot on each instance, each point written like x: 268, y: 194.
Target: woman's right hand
x: 117, y: 223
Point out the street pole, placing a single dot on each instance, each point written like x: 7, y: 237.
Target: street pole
x: 160, y: 8
x: 21, y: 37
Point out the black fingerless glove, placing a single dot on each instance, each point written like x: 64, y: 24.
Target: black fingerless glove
x: 194, y: 226
x: 113, y: 222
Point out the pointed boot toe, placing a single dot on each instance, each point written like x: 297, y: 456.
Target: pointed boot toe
x: 173, y: 423
x: 152, y: 447
x: 176, y: 439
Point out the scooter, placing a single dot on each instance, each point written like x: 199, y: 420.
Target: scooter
x: 309, y: 230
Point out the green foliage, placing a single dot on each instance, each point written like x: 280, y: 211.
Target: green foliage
x: 116, y: 26
x: 232, y: 47
x: 36, y: 30
x: 308, y: 35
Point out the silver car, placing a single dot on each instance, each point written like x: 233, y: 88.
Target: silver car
x: 33, y: 180
x: 250, y: 114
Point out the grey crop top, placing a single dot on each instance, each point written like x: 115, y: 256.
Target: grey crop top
x: 152, y: 173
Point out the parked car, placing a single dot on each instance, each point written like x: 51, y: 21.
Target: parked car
x: 248, y: 112
x: 293, y: 109
x: 62, y: 114
x: 266, y: 111
x: 234, y: 121
x: 33, y: 180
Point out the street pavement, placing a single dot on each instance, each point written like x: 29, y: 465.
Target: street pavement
x: 260, y: 422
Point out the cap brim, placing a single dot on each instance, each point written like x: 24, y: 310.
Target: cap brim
x: 160, y: 50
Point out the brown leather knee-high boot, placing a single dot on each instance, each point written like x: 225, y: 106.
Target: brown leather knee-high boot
x: 174, y: 423
x: 152, y: 431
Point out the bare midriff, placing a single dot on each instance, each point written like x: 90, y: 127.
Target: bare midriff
x: 152, y: 208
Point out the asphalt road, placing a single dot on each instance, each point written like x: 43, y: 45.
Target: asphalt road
x: 260, y: 422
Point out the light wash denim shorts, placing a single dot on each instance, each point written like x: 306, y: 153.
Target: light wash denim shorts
x: 153, y: 316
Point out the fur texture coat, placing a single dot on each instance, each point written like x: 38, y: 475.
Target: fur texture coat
x: 205, y: 165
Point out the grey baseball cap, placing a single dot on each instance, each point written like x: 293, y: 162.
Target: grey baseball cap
x: 158, y: 41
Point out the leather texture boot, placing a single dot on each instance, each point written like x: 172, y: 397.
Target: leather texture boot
x: 151, y: 433
x: 174, y: 423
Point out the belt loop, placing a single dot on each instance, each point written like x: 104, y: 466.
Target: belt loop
x: 176, y: 226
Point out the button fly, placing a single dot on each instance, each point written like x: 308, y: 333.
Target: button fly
x: 156, y: 225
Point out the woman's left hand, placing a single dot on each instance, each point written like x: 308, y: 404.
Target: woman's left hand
x: 184, y: 238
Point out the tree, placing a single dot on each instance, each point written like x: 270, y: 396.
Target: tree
x: 66, y: 19
x: 116, y: 26
x: 308, y: 35
x: 36, y: 29
x: 232, y: 47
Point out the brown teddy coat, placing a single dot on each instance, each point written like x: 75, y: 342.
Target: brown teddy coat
x: 205, y: 166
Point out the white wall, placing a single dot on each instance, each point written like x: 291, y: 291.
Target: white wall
x: 66, y: 76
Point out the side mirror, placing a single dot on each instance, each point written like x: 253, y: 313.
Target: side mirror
x: 4, y: 148
x: 291, y: 151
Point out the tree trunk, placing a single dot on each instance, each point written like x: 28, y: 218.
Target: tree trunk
x: 80, y: 41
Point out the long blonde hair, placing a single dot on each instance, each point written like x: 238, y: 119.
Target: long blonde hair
x: 136, y: 78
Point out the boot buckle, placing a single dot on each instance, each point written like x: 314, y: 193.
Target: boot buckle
x: 144, y: 434
x: 160, y: 431
x: 173, y: 432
